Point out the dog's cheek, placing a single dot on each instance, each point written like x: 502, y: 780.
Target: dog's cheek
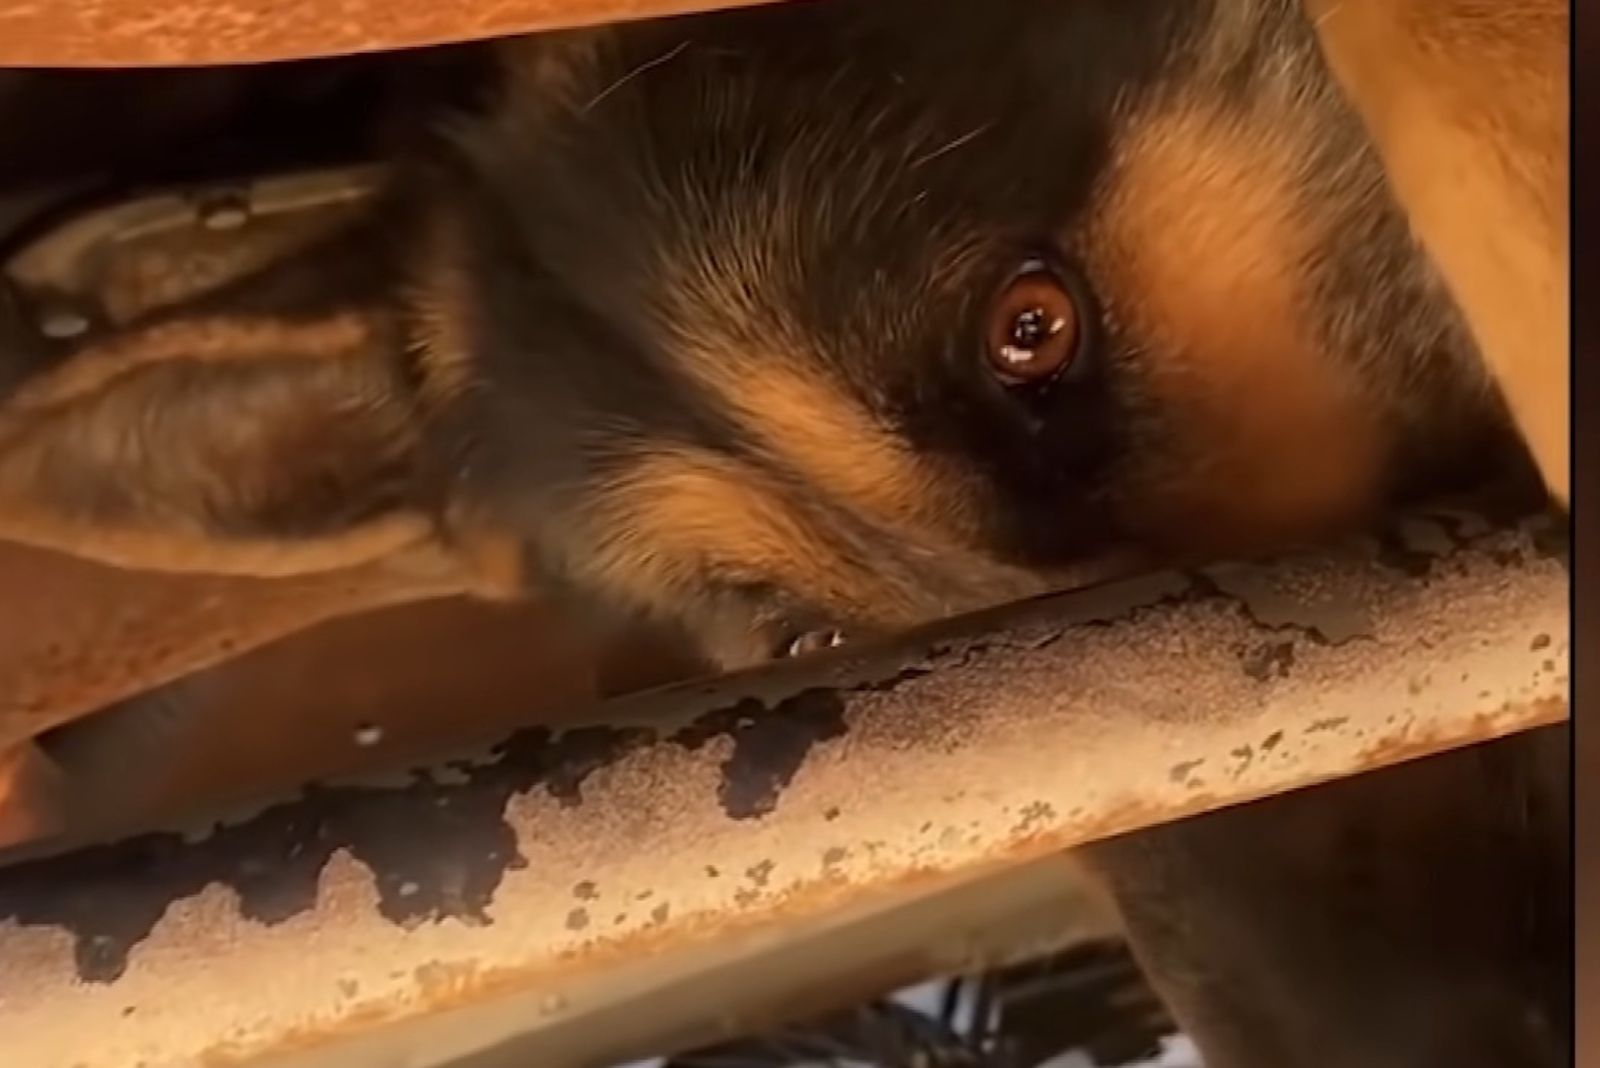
x: 1247, y: 429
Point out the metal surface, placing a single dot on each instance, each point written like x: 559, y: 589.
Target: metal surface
x: 458, y: 906
x: 104, y: 33
x: 682, y: 997
x: 76, y: 636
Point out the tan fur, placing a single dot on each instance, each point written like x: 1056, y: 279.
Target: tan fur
x: 1467, y: 103
x: 439, y: 332
x: 815, y: 428
x: 673, y: 511
x: 1202, y: 245
x: 441, y: 338
x: 99, y: 367
x: 677, y: 518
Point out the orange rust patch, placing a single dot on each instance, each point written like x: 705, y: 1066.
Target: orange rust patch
x: 1202, y: 252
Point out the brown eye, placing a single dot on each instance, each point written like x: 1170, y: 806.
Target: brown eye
x: 1032, y: 333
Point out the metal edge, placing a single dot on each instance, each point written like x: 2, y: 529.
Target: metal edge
x: 707, y: 811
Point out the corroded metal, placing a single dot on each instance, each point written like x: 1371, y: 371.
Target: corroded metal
x: 76, y: 635
x: 125, y: 33
x: 454, y: 909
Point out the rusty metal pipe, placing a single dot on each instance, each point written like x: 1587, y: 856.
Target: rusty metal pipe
x: 454, y: 910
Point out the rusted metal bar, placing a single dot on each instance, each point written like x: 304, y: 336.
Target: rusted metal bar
x: 76, y: 636
x: 455, y: 910
x: 130, y: 33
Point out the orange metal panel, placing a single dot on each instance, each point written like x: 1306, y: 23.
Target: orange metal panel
x: 121, y: 33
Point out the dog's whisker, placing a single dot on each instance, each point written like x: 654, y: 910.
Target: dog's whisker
x: 648, y: 65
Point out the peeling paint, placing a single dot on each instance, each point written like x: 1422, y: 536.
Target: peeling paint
x: 769, y: 745
x: 1038, y: 814
x: 1183, y: 772
x: 839, y: 762
x: 1335, y: 619
x: 1425, y: 536
x: 1332, y: 723
x: 1243, y: 756
x: 438, y: 850
x: 1271, y: 660
x: 438, y: 843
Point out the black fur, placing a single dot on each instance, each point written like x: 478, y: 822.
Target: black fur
x: 849, y: 151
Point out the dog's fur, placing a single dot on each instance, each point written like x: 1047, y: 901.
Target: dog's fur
x: 1420, y: 916
x: 645, y: 340
x: 684, y: 318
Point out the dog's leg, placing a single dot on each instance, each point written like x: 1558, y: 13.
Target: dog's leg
x: 1411, y: 917
x: 242, y: 433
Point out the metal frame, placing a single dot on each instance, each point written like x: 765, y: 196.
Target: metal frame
x: 463, y: 910
x: 125, y: 33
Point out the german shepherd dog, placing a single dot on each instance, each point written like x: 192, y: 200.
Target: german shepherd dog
x: 832, y: 317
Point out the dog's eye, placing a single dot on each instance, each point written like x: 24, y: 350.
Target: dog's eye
x: 1032, y: 333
